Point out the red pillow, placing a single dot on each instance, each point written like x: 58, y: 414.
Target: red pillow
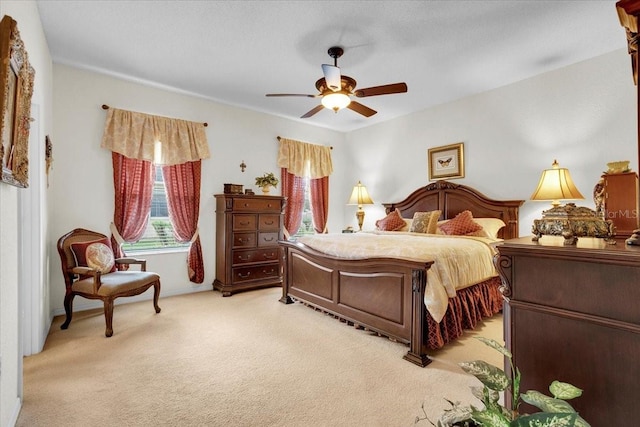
x: 460, y: 225
x: 391, y: 222
x: 96, y: 254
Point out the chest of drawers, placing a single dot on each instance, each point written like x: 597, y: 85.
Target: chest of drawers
x: 247, y: 232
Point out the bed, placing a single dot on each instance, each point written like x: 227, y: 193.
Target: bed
x: 386, y: 294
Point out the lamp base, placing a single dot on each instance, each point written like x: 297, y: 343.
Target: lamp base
x: 571, y: 222
x: 360, y: 216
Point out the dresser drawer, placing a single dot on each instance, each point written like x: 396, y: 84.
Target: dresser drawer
x: 244, y: 274
x: 256, y: 204
x: 268, y: 222
x: 247, y: 256
x: 267, y: 239
x: 244, y: 222
x: 244, y: 240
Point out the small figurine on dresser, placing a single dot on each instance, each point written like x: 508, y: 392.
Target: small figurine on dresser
x: 634, y: 239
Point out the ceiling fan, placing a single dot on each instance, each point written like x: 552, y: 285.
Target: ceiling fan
x: 336, y: 90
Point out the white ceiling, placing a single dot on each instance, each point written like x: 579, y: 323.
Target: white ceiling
x: 234, y: 52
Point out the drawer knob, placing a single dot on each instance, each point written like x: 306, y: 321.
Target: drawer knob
x: 269, y: 222
x: 244, y: 276
x: 244, y: 258
x: 268, y: 239
x: 272, y: 255
x: 245, y: 222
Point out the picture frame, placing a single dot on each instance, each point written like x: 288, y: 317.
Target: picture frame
x: 446, y: 162
x: 16, y: 90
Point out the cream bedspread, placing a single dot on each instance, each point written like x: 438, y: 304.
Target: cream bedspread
x: 459, y: 261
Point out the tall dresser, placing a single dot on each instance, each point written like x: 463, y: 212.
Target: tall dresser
x: 248, y: 228
x: 572, y: 315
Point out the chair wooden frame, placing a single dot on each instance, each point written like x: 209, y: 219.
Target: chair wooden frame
x: 120, y: 283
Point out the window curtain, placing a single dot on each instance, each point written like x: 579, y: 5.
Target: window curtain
x: 142, y: 140
x: 133, y: 185
x: 182, y: 183
x: 302, y: 159
x: 319, y: 189
x: 293, y: 190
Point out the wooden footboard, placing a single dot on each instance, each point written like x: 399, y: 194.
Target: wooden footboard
x: 385, y: 295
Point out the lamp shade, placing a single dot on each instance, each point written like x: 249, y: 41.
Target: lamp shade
x: 360, y: 196
x: 556, y: 184
x: 336, y: 101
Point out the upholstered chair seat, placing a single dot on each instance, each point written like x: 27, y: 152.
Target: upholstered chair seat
x: 91, y: 271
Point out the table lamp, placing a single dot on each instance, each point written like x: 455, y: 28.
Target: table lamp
x: 360, y: 196
x: 569, y: 221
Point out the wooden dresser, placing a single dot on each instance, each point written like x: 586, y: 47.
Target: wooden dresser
x: 573, y: 314
x: 621, y: 202
x: 247, y: 232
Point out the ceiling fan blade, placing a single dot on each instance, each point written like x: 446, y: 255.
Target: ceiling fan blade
x: 291, y: 94
x: 362, y: 109
x: 332, y: 77
x: 381, y: 90
x: 312, y: 111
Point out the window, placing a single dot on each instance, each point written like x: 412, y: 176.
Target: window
x: 158, y: 235
x: 306, y: 226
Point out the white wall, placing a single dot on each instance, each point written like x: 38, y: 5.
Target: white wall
x: 12, y: 285
x: 81, y: 184
x: 583, y: 115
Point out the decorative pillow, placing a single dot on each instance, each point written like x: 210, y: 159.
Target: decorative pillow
x: 96, y: 254
x: 425, y: 222
x: 490, y: 225
x: 460, y: 225
x: 391, y: 222
x: 407, y: 224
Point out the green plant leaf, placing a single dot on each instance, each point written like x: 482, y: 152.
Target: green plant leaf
x: 564, y: 391
x: 546, y: 403
x: 489, y: 375
x: 490, y: 418
x: 546, y: 420
x: 495, y: 345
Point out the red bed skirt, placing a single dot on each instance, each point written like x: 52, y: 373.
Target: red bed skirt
x: 466, y: 309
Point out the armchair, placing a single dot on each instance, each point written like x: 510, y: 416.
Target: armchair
x: 89, y: 270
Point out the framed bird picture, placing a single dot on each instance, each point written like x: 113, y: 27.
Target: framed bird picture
x: 446, y: 162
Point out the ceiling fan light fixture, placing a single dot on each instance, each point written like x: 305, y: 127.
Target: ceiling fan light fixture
x: 336, y: 101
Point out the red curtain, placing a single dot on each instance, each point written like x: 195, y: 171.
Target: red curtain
x: 182, y: 183
x: 133, y: 185
x: 319, y: 189
x: 293, y: 190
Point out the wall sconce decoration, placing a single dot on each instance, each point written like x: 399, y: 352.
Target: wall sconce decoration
x: 243, y: 166
x: 360, y: 196
x: 48, y: 156
x: 569, y: 221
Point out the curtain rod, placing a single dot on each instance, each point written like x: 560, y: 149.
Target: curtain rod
x: 106, y: 107
x: 331, y: 147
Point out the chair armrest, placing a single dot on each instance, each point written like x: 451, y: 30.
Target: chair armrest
x: 129, y: 261
x: 86, y: 271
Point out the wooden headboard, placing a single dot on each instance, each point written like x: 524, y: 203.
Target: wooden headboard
x: 452, y: 199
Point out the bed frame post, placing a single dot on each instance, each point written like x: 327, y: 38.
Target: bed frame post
x: 417, y: 348
x: 284, y: 253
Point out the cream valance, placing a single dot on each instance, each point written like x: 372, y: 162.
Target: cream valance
x: 156, y: 139
x: 296, y: 155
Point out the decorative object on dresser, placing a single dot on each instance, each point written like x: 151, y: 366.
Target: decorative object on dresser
x: 248, y: 228
x: 571, y: 313
x: 233, y: 189
x: 267, y: 181
x: 569, y: 221
x: 446, y: 161
x: 360, y: 196
x: 386, y: 294
x: 620, y: 202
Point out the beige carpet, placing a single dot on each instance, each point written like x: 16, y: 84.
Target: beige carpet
x: 247, y: 360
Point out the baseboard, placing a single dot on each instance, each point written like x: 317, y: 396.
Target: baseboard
x: 15, y: 413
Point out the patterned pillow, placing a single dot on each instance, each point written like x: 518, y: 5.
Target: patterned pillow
x: 96, y: 254
x: 391, y: 222
x: 460, y: 225
x: 425, y: 222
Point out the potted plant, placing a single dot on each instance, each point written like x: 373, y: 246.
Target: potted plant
x: 555, y: 411
x: 266, y: 181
